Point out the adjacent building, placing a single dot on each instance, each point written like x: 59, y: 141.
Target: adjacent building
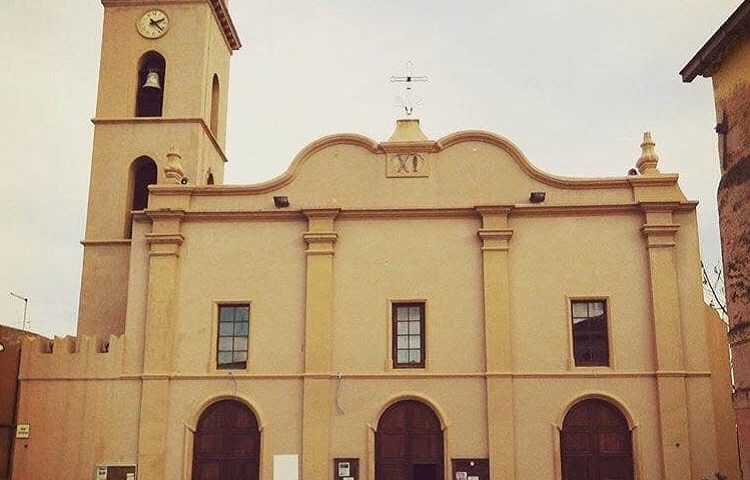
x: 412, y: 308
x: 725, y: 58
x: 10, y: 358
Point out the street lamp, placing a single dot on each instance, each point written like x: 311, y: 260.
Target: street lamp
x: 25, y: 308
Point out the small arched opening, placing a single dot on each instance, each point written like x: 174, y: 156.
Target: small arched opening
x: 596, y: 442
x: 210, y: 179
x: 226, y: 445
x: 409, y: 443
x: 215, y: 102
x: 152, y: 70
x: 142, y: 174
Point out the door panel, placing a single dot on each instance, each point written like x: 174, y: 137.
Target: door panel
x: 227, y: 443
x: 596, y: 443
x: 409, y: 443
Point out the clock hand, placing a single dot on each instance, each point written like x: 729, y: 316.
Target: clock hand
x: 156, y: 23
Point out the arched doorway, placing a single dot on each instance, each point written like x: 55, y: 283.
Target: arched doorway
x: 596, y: 443
x: 409, y: 443
x: 227, y: 443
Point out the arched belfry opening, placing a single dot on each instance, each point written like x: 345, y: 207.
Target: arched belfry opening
x: 152, y: 70
x: 226, y: 445
x: 215, y: 103
x: 596, y: 442
x: 143, y: 173
x: 409, y: 443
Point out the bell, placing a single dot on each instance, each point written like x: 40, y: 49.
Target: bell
x: 152, y: 80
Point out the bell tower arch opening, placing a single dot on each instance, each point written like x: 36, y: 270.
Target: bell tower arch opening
x: 215, y: 103
x: 152, y: 70
x: 143, y: 173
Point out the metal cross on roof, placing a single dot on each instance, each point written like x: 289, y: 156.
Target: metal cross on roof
x: 408, y: 101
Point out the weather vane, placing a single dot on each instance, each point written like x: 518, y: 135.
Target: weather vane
x: 408, y: 101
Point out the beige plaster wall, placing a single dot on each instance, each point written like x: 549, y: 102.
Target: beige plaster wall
x: 268, y: 271
x: 554, y: 259
x: 380, y: 261
x: 83, y: 423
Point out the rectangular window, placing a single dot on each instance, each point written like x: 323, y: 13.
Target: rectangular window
x: 233, y: 335
x: 590, y: 338
x: 408, y: 335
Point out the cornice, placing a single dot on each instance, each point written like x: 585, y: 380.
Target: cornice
x: 660, y: 180
x: 710, y: 56
x: 660, y: 230
x: 402, y: 374
x: 227, y: 26
x: 165, y: 120
x: 164, y: 238
x: 320, y: 237
x: 659, y: 206
x: 240, y: 215
x: 410, y: 147
x: 321, y: 212
x: 165, y: 213
x: 521, y: 210
x: 111, y: 242
x: 495, y: 234
x: 397, y: 213
x: 526, y: 166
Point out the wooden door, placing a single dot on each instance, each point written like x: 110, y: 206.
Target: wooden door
x: 227, y: 443
x: 596, y: 443
x: 409, y: 443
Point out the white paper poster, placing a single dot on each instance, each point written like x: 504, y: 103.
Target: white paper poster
x: 286, y: 467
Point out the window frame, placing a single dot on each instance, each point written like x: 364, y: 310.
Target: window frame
x: 609, y: 331
x: 395, y: 304
x: 216, y: 337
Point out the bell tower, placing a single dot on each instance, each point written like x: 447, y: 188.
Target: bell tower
x: 163, y: 81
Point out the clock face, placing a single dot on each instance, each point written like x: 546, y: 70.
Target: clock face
x: 153, y: 24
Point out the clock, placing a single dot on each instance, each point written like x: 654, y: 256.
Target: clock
x: 153, y: 24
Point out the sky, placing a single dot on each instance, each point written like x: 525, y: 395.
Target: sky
x: 574, y: 84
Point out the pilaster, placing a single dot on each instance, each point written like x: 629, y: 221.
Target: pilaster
x: 320, y: 239
x: 495, y: 237
x: 660, y: 232
x: 164, y: 242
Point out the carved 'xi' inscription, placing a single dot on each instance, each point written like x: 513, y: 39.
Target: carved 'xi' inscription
x: 407, y: 165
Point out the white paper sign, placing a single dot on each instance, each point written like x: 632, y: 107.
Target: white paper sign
x: 23, y: 430
x: 286, y: 467
x: 344, y: 469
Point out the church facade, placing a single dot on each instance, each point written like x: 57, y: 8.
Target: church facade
x: 412, y: 308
